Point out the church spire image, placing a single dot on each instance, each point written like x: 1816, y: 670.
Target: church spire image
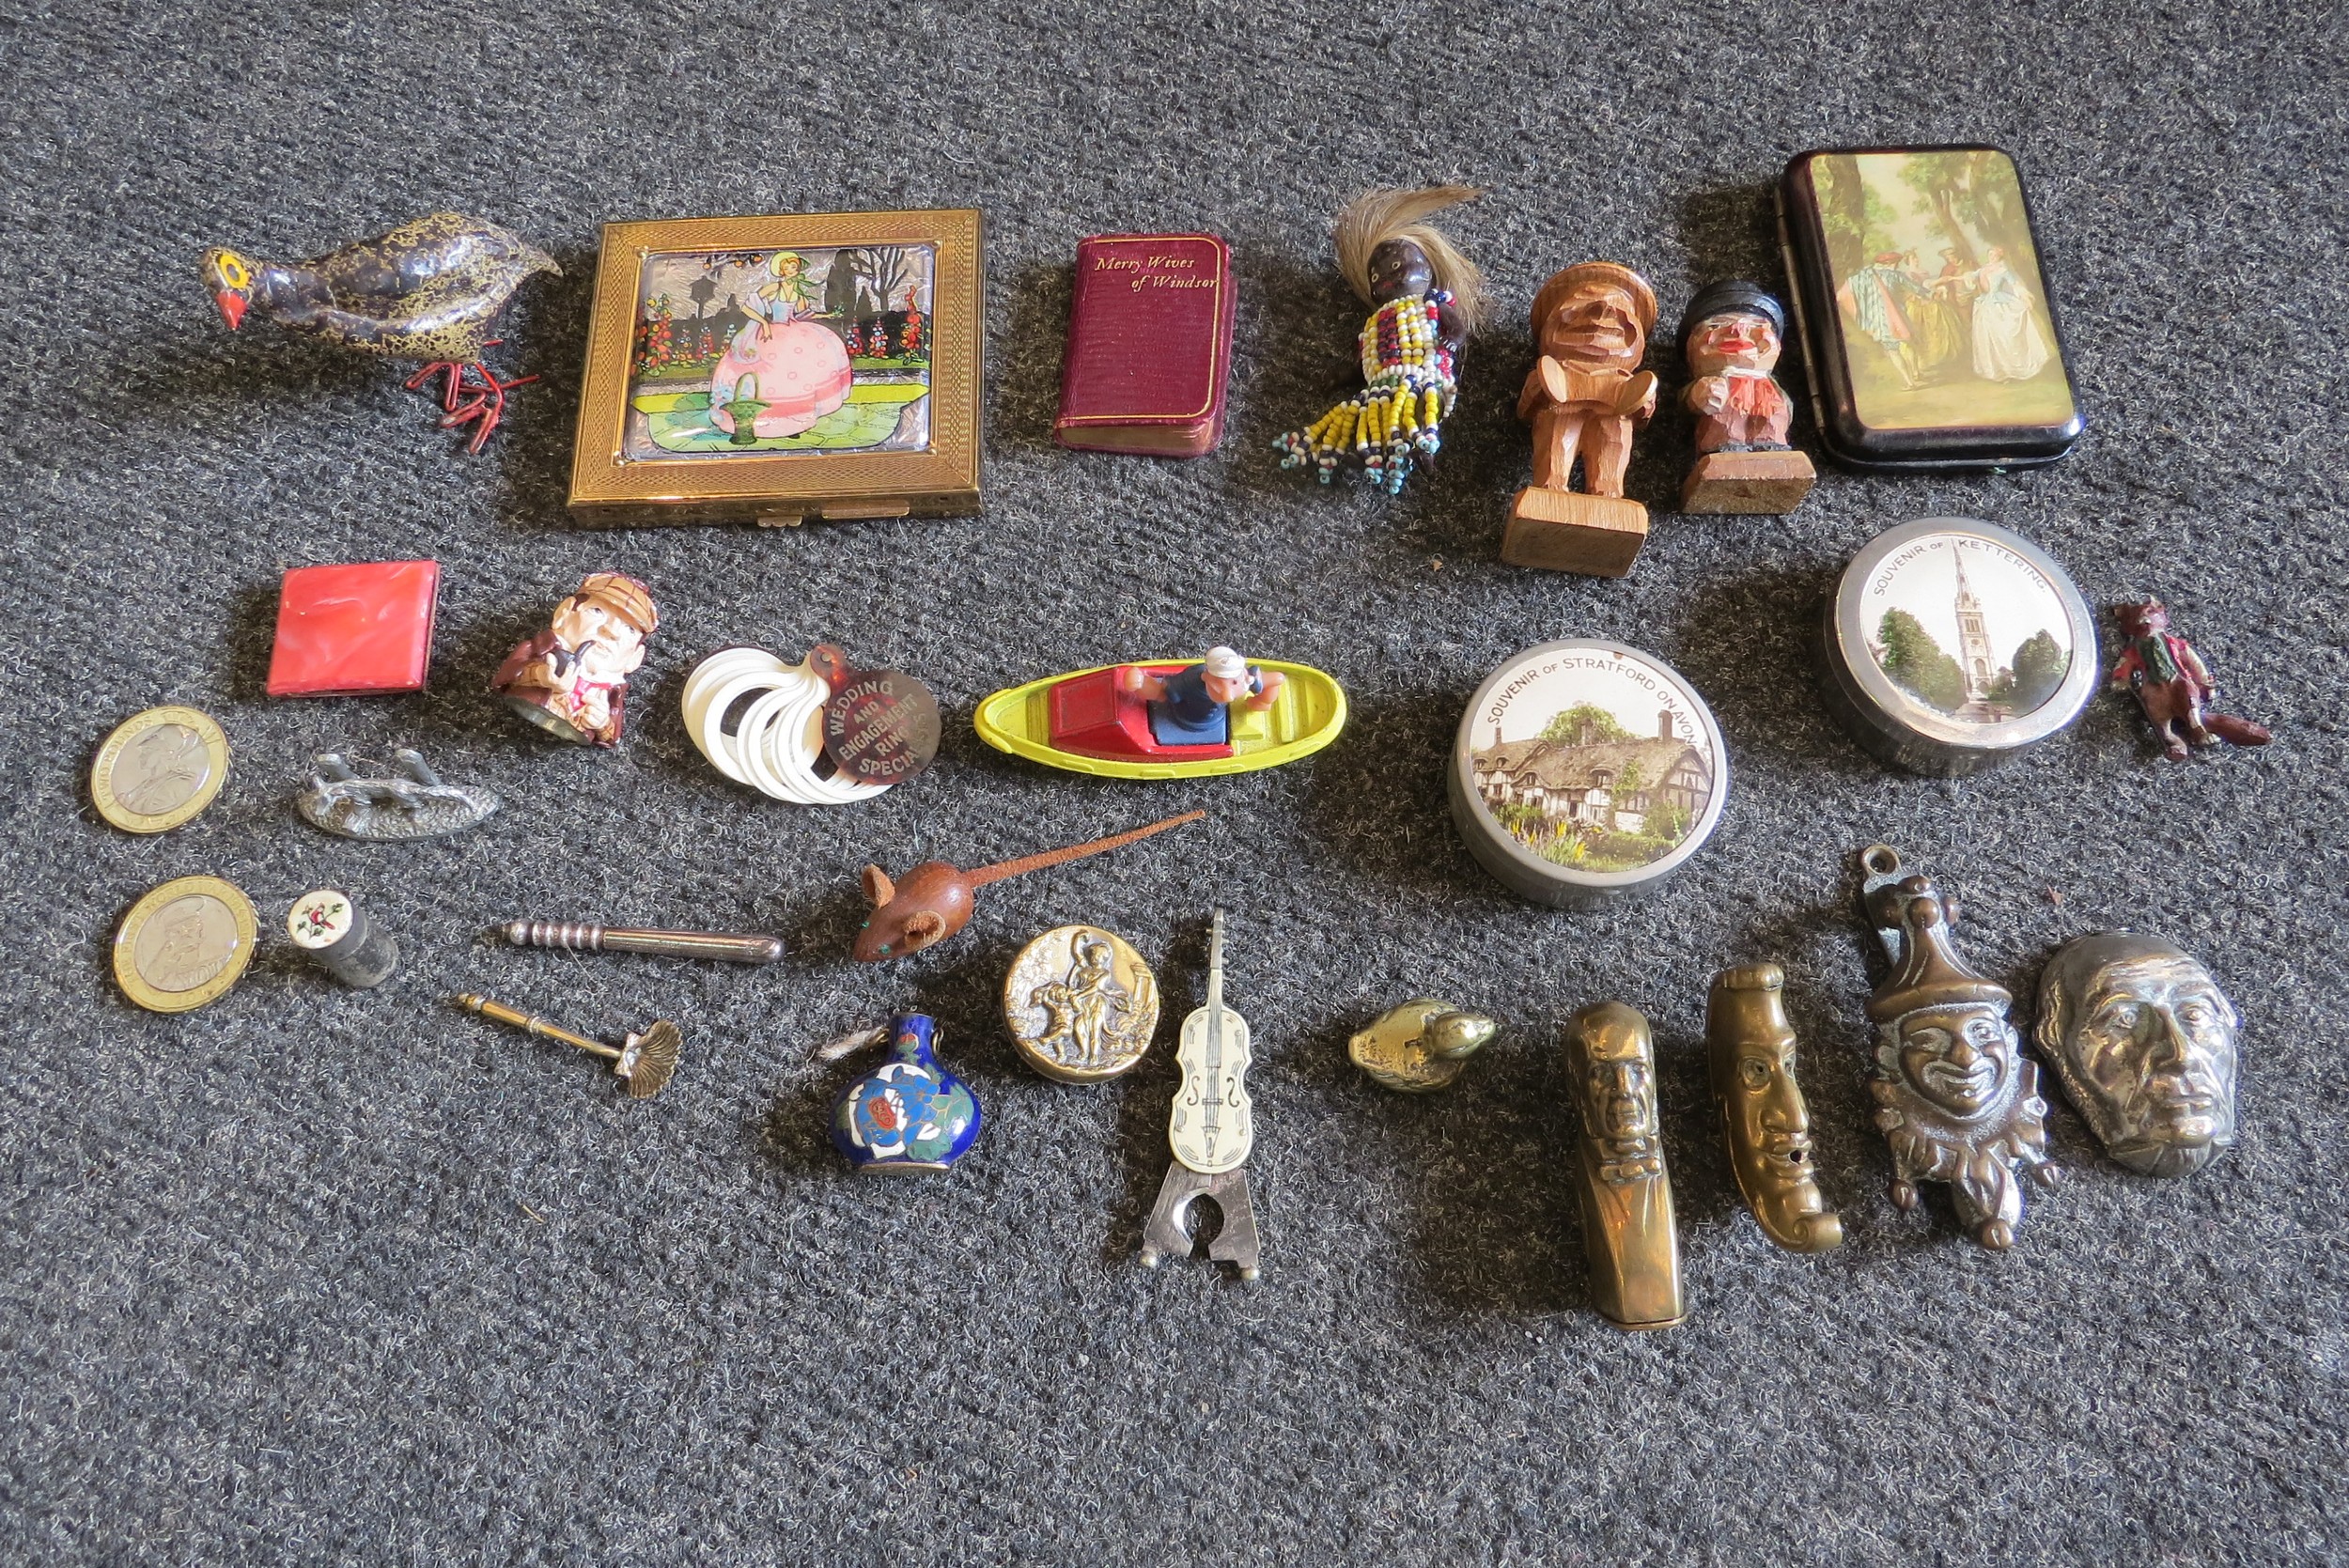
x: 1973, y: 641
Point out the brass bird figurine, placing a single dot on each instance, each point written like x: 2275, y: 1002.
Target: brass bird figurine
x: 431, y: 289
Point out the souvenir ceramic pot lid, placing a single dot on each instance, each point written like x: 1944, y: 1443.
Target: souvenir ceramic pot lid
x: 1583, y: 769
x: 1951, y: 645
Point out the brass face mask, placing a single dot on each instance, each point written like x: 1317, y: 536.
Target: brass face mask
x: 1627, y: 1231
x: 2144, y: 1042
x: 1751, y: 1048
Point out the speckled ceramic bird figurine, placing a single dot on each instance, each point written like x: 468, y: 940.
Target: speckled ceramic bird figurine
x: 431, y: 289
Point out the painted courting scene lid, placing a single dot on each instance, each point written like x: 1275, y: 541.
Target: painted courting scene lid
x: 1960, y: 637
x: 1583, y: 768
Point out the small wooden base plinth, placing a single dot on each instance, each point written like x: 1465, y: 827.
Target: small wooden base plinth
x: 1598, y: 535
x: 1767, y: 484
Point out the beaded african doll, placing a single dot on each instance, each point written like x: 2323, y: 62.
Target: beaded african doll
x: 1428, y: 299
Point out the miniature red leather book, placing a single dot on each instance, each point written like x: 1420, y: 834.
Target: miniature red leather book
x: 1149, y: 345
x: 348, y: 631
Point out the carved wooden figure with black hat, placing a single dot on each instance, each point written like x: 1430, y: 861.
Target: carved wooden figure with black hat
x: 1583, y: 397
x: 1732, y: 336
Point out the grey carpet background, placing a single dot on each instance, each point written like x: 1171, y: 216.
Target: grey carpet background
x: 312, y: 1276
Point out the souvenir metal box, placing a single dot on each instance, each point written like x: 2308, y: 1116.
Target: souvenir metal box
x: 780, y: 368
x: 1928, y: 326
x: 1951, y: 645
x: 1583, y: 769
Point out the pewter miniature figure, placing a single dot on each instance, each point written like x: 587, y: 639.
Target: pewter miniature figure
x: 334, y: 933
x: 1420, y: 1045
x: 1212, y: 1132
x: 1752, y: 1047
x: 414, y: 804
x: 1628, y: 1229
x: 2173, y: 686
x: 2144, y: 1042
x: 1956, y: 1100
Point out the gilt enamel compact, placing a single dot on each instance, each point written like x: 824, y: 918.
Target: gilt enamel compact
x: 774, y: 369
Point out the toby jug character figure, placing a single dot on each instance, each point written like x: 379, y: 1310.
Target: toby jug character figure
x: 572, y: 678
x: 2144, y: 1042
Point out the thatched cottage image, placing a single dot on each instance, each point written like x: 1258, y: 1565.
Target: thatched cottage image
x: 1588, y: 791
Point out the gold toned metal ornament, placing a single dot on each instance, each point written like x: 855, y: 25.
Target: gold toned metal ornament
x: 158, y: 769
x: 185, y: 944
x: 1752, y: 1047
x: 1420, y: 1046
x: 1080, y: 1003
x: 645, y: 1064
x: 1628, y: 1229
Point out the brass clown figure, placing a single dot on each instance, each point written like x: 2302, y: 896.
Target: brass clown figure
x: 1752, y: 1047
x: 1626, y: 1194
x: 1956, y: 1099
x: 2144, y: 1042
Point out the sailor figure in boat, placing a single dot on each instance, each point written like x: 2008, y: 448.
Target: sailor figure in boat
x: 1190, y: 707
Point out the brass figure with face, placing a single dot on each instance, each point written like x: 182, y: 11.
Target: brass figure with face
x: 1956, y: 1099
x: 1627, y: 1228
x: 1751, y: 1048
x: 2144, y: 1042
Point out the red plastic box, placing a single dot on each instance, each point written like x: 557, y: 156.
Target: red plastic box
x: 346, y: 631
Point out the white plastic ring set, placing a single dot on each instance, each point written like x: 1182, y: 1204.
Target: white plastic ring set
x: 777, y: 746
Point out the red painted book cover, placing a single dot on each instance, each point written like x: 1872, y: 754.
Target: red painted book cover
x: 1149, y: 345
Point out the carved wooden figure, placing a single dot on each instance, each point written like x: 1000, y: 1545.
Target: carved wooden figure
x: 1732, y: 336
x: 1583, y: 397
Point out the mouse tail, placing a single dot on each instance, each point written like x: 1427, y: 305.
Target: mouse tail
x: 985, y: 874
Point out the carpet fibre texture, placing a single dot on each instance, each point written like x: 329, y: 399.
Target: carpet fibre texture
x: 323, y: 1276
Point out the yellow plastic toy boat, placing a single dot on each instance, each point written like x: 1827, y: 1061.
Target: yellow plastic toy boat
x: 1088, y: 722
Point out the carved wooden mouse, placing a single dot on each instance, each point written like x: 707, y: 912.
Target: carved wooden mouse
x: 933, y: 901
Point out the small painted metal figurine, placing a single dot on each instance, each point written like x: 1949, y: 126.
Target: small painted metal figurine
x: 1585, y: 397
x: 431, y: 289
x: 2173, y: 686
x: 1752, y: 1047
x: 907, y: 1114
x: 572, y: 678
x: 1420, y: 1045
x: 1731, y: 336
x: 2144, y: 1042
x: 1628, y: 1229
x: 1428, y: 299
x: 413, y: 805
x: 1956, y: 1099
x: 1212, y: 1132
